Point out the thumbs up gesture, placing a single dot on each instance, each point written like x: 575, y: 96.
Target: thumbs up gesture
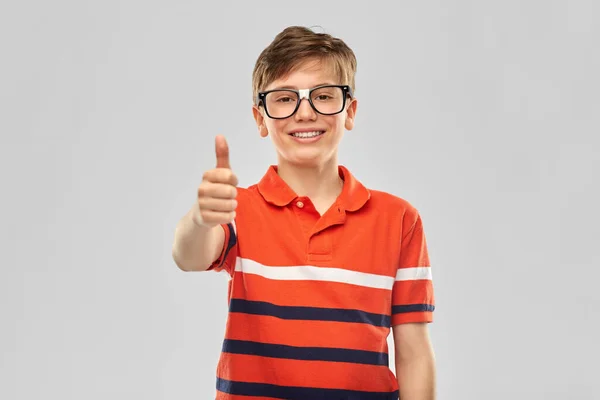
x: 216, y: 200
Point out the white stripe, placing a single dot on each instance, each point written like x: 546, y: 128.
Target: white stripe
x: 311, y: 273
x: 413, y: 274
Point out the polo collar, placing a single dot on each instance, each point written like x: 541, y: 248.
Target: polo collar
x: 275, y: 191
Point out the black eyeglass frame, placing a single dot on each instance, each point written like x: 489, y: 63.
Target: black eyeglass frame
x: 302, y: 94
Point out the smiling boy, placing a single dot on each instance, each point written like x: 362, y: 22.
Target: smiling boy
x: 321, y: 268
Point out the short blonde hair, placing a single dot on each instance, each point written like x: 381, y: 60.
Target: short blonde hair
x: 295, y: 45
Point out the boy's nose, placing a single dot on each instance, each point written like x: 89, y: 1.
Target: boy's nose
x: 305, y: 111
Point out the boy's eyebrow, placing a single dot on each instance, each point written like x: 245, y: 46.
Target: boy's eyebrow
x: 296, y: 88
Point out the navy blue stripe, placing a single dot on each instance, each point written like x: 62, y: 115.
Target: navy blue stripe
x: 308, y: 313
x: 305, y: 353
x: 412, y: 308
x: 232, y: 241
x: 298, y: 393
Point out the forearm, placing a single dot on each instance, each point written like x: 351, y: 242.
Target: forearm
x: 196, y: 247
x: 417, y: 378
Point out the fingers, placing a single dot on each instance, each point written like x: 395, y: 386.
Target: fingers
x: 212, y: 218
x: 221, y: 176
x: 219, y: 205
x: 216, y: 203
x: 222, y: 152
x: 217, y: 191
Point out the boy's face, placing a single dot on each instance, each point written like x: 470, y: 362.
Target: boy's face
x: 311, y: 152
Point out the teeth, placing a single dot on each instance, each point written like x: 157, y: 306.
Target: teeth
x: 307, y: 134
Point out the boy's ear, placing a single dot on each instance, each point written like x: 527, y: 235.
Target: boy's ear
x: 351, y: 114
x: 260, y: 121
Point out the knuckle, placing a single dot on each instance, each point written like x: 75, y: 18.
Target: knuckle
x: 203, y: 190
x: 202, y: 203
x: 206, y: 176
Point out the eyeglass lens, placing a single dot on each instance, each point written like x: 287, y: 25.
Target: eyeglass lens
x: 326, y: 100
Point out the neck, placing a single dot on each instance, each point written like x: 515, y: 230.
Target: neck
x: 315, y: 182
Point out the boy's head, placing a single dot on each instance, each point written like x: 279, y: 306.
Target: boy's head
x: 300, y: 59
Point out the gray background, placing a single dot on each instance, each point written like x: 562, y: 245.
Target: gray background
x: 484, y: 115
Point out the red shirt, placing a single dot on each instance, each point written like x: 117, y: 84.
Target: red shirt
x: 312, y: 298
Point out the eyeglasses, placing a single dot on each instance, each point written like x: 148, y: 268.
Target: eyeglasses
x: 325, y: 100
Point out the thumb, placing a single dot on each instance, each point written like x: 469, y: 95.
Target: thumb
x: 222, y: 151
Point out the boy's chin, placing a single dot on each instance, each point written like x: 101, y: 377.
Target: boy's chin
x: 308, y: 159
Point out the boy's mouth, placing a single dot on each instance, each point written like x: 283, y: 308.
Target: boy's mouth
x: 307, y: 135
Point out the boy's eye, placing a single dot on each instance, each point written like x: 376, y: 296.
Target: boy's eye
x: 285, y: 100
x: 327, y: 94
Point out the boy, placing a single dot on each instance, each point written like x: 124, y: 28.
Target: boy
x: 321, y: 267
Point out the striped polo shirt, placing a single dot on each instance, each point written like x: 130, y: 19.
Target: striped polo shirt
x: 312, y: 298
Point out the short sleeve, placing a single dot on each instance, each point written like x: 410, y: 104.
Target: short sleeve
x: 227, y: 258
x: 412, y: 293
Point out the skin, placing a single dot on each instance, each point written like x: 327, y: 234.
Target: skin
x: 415, y: 362
x: 312, y: 170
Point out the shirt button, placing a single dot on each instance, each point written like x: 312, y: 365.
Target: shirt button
x: 300, y: 204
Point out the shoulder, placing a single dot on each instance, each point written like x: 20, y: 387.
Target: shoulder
x: 396, y: 210
x: 393, y: 203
